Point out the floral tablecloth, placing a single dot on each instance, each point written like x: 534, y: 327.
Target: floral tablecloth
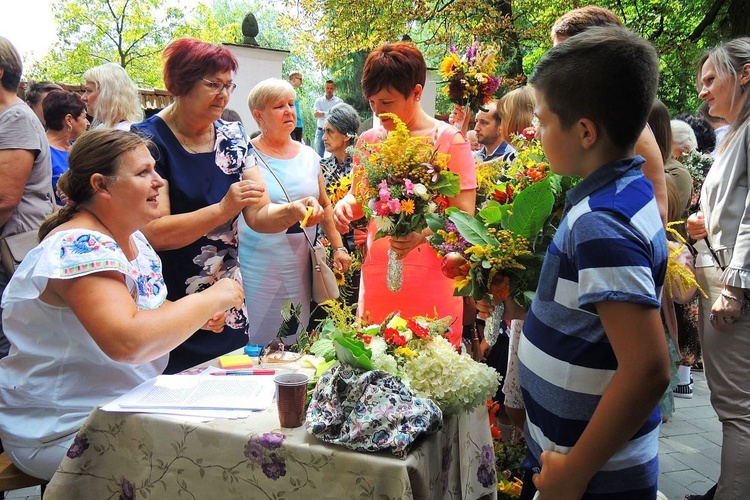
x: 128, y: 456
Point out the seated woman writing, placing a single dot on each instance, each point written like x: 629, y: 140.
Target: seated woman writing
x: 86, y: 312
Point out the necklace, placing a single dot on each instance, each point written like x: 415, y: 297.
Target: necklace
x: 205, y: 147
x: 282, y: 154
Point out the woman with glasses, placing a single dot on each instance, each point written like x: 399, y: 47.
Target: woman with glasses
x: 210, y: 178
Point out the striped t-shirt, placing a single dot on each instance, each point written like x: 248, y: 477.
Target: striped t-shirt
x: 610, y: 246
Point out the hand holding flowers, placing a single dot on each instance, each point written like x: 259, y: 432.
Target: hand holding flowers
x: 468, y: 77
x: 405, y: 178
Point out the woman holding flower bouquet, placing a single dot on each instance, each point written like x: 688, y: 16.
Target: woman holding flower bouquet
x: 392, y: 81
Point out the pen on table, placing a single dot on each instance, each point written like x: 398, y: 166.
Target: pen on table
x: 246, y: 372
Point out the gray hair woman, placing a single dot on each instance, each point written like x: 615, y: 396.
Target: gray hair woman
x: 276, y: 266
x: 26, y: 189
x: 339, y: 133
x: 683, y: 138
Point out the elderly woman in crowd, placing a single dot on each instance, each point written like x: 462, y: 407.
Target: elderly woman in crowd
x: 35, y: 93
x: 112, y: 97
x: 277, y: 267
x: 86, y: 312
x: 724, y: 82
x: 339, y: 133
x: 392, y: 81
x: 210, y: 178
x: 26, y: 189
x: 65, y: 115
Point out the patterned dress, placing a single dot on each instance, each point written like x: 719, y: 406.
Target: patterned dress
x: 197, y: 181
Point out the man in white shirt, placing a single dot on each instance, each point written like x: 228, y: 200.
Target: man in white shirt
x: 321, y: 107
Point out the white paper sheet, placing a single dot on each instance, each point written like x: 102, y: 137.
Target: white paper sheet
x: 203, y: 395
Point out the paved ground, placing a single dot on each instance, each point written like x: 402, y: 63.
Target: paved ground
x: 689, y: 448
x: 690, y: 445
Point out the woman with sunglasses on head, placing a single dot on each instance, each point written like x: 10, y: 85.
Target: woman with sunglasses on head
x: 210, y: 178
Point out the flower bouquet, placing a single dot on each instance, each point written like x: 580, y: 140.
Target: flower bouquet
x: 697, y: 164
x: 418, y: 351
x: 468, y: 77
x: 499, y: 252
x: 406, y: 179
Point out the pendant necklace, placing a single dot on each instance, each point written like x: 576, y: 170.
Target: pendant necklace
x: 207, y: 146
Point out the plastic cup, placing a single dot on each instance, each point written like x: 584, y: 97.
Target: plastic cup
x: 291, y: 392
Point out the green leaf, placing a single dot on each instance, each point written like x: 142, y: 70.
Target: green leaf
x: 493, y: 213
x: 352, y: 352
x: 471, y: 229
x: 448, y: 184
x: 531, y: 208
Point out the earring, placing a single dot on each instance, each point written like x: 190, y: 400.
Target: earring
x: 742, y: 89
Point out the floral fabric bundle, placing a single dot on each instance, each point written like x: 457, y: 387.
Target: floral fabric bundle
x: 418, y: 351
x: 369, y: 411
x: 468, y: 77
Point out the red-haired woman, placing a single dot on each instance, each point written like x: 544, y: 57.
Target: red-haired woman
x: 392, y: 81
x: 211, y: 177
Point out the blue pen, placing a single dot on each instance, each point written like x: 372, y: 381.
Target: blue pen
x: 246, y: 372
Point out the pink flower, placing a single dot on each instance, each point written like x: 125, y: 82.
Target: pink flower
x: 431, y: 170
x: 384, y: 192
x: 382, y: 208
x: 394, y: 206
x: 408, y: 186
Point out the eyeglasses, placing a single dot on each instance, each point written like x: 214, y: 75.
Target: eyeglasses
x: 218, y: 87
x: 275, y: 352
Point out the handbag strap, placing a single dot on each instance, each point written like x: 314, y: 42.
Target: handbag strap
x: 259, y: 155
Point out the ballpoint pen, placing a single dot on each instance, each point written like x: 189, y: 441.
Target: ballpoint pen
x: 245, y: 372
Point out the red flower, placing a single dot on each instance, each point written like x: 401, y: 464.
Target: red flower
x: 417, y: 329
x: 392, y: 336
x: 367, y: 338
x: 529, y: 133
x: 441, y: 202
x: 500, y: 287
x: 503, y: 197
x: 454, y: 336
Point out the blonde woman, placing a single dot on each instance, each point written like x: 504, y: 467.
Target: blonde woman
x: 516, y: 110
x: 111, y: 97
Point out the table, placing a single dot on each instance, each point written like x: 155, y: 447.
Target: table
x: 132, y: 455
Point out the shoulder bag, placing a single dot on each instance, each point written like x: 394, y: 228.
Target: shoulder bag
x: 324, y: 286
x: 14, y: 248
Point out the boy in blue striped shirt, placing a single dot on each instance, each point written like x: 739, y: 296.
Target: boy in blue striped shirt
x: 593, y: 360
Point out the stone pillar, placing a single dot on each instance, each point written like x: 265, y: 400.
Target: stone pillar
x: 255, y: 64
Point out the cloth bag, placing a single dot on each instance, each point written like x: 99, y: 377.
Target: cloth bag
x: 14, y: 248
x: 324, y: 286
x: 369, y: 411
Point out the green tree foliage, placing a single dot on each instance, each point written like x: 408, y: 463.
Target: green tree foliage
x: 131, y: 33
x: 680, y: 30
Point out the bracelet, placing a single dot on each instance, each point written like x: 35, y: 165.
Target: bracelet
x: 729, y: 296
x: 342, y: 249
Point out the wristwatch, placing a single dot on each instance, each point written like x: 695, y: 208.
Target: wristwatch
x: 341, y: 248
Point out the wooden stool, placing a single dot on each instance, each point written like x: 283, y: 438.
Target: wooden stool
x: 11, y: 478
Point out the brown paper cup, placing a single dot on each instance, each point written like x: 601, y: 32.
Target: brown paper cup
x: 291, y: 392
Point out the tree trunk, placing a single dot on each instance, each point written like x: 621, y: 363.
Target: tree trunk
x: 738, y: 18
x: 511, y: 47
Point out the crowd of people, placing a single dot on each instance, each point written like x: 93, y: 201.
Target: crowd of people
x: 167, y: 241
